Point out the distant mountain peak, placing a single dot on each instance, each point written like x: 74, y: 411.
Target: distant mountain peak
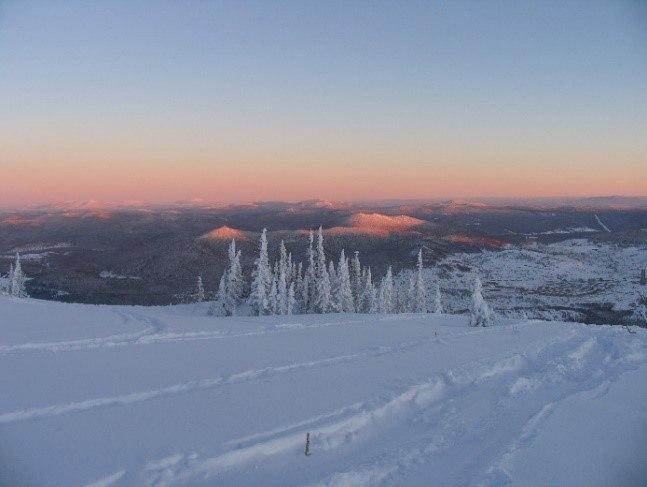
x: 226, y: 233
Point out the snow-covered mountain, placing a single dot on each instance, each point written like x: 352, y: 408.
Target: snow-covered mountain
x: 158, y: 396
x: 377, y: 224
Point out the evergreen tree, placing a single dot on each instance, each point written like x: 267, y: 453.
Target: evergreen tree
x: 344, y: 292
x: 6, y: 288
x: 219, y: 308
x: 308, y: 290
x: 356, y: 280
x: 411, y: 294
x: 322, y: 280
x: 438, y: 305
x: 420, y: 290
x: 480, y: 313
x: 291, y: 300
x: 199, y: 290
x: 235, y: 279
x: 261, y: 279
x: 273, y: 296
x: 300, y: 289
x: 18, y: 280
x: 231, y: 286
x: 282, y: 281
x: 369, y: 294
x: 335, y: 305
x: 386, y: 293
x: 402, y: 297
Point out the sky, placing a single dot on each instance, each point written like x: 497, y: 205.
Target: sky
x: 291, y: 100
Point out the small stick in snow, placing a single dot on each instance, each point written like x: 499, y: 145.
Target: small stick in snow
x: 307, y: 452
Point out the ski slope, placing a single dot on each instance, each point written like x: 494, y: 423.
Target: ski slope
x: 132, y: 396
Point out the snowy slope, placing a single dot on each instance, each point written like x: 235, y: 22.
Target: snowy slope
x: 168, y: 396
x: 557, y: 281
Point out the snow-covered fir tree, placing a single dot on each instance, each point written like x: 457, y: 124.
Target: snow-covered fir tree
x: 231, y: 286
x: 344, y: 293
x: 282, y: 280
x: 298, y: 287
x: 17, y: 280
x: 273, y: 296
x: 235, y: 280
x: 356, y: 281
x: 199, y: 290
x: 322, y: 280
x: 218, y: 308
x: 369, y: 295
x: 402, y: 292
x: 261, y: 279
x: 420, y: 289
x: 438, y: 304
x: 6, y: 285
x: 291, y: 303
x: 480, y: 312
x: 308, y: 286
x: 386, y: 294
x: 334, y: 285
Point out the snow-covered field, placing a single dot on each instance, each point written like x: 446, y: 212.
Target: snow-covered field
x: 165, y: 396
x: 559, y: 281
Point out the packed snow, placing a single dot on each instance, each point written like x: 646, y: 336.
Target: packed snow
x: 157, y: 396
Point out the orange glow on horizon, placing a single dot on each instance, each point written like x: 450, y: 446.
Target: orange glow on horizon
x: 340, y: 178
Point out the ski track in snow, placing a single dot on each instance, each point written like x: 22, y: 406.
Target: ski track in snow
x: 558, y: 362
x: 109, y: 480
x: 521, y: 391
x: 190, y: 386
x: 151, y: 327
x: 151, y: 334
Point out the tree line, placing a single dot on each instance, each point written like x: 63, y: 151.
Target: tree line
x: 324, y: 285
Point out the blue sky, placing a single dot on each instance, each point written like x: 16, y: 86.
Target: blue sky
x: 424, y: 91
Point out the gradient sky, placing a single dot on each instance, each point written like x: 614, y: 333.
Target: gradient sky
x: 243, y: 101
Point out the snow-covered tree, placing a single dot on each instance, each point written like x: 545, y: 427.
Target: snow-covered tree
x: 261, y: 279
x: 17, y: 280
x: 369, y: 294
x: 334, y: 285
x: 199, y: 290
x: 419, y: 290
x: 273, y: 296
x: 402, y: 284
x: 6, y: 285
x: 386, y: 295
x: 480, y: 313
x: 356, y: 281
x: 218, y: 307
x: 291, y: 303
x: 282, y: 280
x: 308, y: 284
x: 322, y: 281
x: 299, y: 291
x: 235, y: 280
x: 438, y: 304
x: 231, y: 286
x: 343, y: 290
